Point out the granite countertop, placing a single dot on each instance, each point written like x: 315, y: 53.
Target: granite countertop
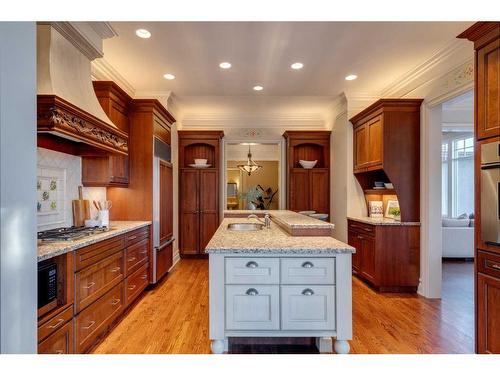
x: 382, y: 221
x: 270, y: 241
x: 53, y: 249
x: 287, y: 218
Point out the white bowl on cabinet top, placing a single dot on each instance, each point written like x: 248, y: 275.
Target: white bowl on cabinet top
x: 307, y: 164
x: 200, y: 161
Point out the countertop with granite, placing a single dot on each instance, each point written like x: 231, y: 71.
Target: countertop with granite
x: 286, y: 218
x: 53, y: 249
x: 382, y: 221
x: 274, y: 240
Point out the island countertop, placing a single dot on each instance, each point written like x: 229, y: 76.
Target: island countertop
x: 275, y: 240
x: 53, y: 249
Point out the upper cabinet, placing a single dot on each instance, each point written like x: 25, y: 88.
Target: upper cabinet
x: 109, y: 169
x: 386, y: 148
x: 308, y: 189
x: 485, y: 36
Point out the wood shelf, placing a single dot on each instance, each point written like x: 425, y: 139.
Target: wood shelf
x: 380, y: 191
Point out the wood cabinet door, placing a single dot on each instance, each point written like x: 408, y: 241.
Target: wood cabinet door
x: 368, y: 270
x: 488, y: 91
x: 118, y: 169
x: 60, y: 342
x: 488, y: 314
x: 375, y: 141
x: 319, y: 190
x: 189, y: 223
x: 299, y: 190
x: 166, y: 202
x: 354, y: 241
x: 209, y: 206
x: 360, y: 147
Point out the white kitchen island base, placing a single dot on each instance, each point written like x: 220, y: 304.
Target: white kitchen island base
x: 281, y: 295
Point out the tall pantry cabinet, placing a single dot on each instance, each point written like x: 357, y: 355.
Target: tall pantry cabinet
x: 486, y: 38
x: 198, y: 190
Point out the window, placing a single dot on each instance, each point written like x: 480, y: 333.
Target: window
x: 457, y: 171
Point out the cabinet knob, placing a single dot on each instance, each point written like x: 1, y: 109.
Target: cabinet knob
x: 307, y: 265
x: 252, y: 292
x: 252, y: 264
x: 307, y: 292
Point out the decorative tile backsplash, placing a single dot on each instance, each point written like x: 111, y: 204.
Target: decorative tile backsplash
x: 58, y: 178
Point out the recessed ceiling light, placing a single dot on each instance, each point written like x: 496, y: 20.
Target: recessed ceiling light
x: 225, y: 65
x: 169, y: 76
x: 258, y: 88
x: 297, y: 66
x: 351, y: 77
x: 143, y: 33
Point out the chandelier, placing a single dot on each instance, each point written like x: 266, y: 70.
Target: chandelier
x: 250, y: 165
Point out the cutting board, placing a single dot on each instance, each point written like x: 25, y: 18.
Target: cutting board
x: 81, y: 209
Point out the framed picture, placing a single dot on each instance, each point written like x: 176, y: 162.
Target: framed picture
x: 392, y: 210
x: 376, y: 209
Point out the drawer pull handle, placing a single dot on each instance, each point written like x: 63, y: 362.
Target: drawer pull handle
x: 493, y: 265
x: 252, y: 264
x: 143, y: 252
x: 144, y: 277
x: 114, y: 302
x: 90, y: 285
x: 307, y: 265
x: 132, y: 238
x: 90, y: 325
x: 131, y: 287
x: 252, y: 292
x: 59, y: 351
x: 59, y: 322
x: 307, y: 292
x: 116, y: 269
x: 131, y: 259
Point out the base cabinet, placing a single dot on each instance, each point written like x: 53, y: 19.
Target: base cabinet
x: 488, y: 313
x: 387, y: 256
x: 61, y: 342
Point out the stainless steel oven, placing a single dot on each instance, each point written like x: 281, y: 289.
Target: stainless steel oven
x: 490, y: 188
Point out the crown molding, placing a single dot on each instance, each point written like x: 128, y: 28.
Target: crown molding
x: 103, y: 29
x: 102, y: 70
x: 403, y: 84
x: 74, y: 32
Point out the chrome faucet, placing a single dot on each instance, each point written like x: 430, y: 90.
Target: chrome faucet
x: 266, y: 221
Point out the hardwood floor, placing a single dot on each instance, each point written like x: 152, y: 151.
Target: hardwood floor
x: 173, y: 318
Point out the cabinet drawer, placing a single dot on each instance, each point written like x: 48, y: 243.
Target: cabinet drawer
x: 61, y: 342
x: 136, y: 255
x: 89, y: 255
x: 308, y: 307
x: 96, y: 318
x: 252, y: 307
x: 252, y: 270
x: 361, y: 227
x: 136, y: 235
x: 488, y: 263
x: 308, y: 271
x: 55, y: 323
x: 92, y: 282
x: 135, y: 283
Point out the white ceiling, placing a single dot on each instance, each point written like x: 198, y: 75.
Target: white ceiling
x: 261, y: 53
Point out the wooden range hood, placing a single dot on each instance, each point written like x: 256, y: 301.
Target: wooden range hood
x: 69, y: 116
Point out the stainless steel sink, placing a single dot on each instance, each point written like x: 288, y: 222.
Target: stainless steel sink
x: 245, y: 227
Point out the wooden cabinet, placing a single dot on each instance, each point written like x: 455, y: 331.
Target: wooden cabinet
x: 387, y: 256
x: 386, y: 148
x: 308, y: 189
x: 61, y: 342
x: 486, y: 38
x: 198, y: 190
x: 109, y: 169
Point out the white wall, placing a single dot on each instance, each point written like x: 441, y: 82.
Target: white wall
x: 18, y: 253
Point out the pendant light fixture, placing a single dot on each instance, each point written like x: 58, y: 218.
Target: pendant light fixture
x: 250, y: 166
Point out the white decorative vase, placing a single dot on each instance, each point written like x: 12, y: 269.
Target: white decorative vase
x: 251, y: 206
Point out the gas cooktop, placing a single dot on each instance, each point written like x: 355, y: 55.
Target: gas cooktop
x: 69, y: 233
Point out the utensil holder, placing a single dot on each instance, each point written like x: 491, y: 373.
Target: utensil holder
x: 103, y: 217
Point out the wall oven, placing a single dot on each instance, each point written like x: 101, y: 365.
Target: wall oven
x: 490, y: 188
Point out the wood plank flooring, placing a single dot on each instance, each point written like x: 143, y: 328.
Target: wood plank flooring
x: 173, y: 318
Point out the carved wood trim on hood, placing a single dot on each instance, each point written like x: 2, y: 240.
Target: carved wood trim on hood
x: 58, y: 116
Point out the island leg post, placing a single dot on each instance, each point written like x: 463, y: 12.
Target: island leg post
x: 219, y: 346
x: 341, y: 346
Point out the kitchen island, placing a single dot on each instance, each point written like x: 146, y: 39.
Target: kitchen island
x: 270, y: 283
